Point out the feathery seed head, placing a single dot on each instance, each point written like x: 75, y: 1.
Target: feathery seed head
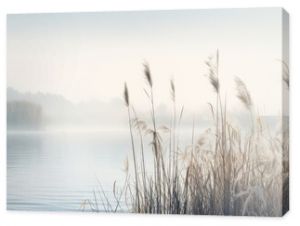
x: 172, y: 90
x: 243, y: 93
x: 126, y: 95
x: 148, y: 74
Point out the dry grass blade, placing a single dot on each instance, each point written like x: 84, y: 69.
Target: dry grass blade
x: 148, y: 74
x: 286, y: 79
x: 219, y: 173
x: 214, y: 81
x: 286, y: 74
x: 172, y: 90
x: 212, y: 110
x: 213, y: 72
x: 126, y: 95
x: 181, y: 113
x: 243, y: 93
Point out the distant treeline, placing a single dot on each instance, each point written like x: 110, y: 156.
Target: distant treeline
x: 24, y: 115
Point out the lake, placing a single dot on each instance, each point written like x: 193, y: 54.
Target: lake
x: 58, y: 170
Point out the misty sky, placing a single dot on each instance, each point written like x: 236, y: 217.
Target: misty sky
x: 85, y: 56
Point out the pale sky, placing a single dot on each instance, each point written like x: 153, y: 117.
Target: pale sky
x: 85, y: 56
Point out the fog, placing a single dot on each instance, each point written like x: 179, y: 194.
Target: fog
x: 88, y: 56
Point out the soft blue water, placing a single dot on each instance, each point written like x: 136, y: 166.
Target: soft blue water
x: 59, y: 170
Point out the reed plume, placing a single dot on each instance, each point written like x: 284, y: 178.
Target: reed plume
x: 127, y: 103
x: 243, y: 93
x: 126, y: 95
x: 172, y: 90
x: 148, y: 74
x: 220, y: 173
x: 213, y: 72
x: 286, y: 73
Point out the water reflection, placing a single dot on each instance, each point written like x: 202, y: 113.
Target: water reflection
x: 58, y: 170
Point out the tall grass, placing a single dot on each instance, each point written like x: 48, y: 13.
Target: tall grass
x: 224, y: 171
x: 235, y: 174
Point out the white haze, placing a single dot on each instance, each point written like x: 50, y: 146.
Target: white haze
x: 89, y: 56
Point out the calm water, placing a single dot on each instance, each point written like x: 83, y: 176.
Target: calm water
x: 59, y: 170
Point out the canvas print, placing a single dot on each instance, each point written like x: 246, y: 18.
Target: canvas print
x: 151, y: 112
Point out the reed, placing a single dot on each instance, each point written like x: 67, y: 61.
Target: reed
x: 127, y: 103
x: 221, y: 172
